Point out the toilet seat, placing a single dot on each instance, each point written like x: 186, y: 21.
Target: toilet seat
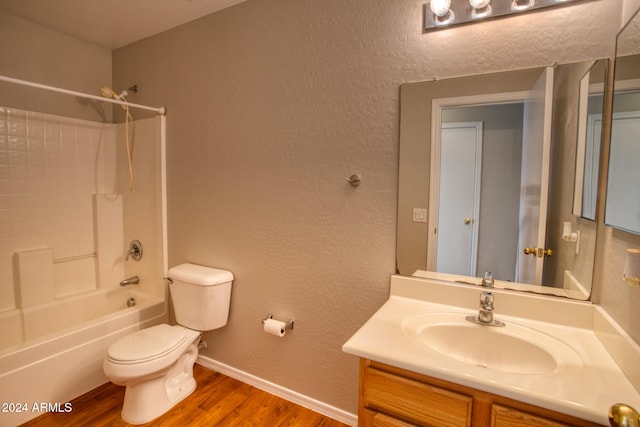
x: 147, y: 344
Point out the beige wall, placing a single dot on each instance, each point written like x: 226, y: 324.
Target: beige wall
x: 34, y: 53
x: 270, y: 105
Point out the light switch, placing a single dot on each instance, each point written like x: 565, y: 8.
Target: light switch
x: 419, y: 215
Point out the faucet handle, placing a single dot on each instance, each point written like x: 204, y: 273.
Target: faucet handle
x: 135, y: 250
x: 486, y: 298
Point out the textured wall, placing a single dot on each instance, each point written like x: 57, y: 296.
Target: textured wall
x: 32, y: 52
x: 270, y: 105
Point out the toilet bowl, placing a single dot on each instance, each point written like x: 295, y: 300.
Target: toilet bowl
x: 156, y: 364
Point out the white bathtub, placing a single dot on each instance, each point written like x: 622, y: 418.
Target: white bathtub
x: 65, y: 345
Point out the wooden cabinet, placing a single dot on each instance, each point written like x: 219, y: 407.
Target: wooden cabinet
x: 393, y: 397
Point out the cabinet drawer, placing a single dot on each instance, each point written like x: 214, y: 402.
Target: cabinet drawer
x: 378, y: 419
x: 415, y: 401
x: 503, y: 416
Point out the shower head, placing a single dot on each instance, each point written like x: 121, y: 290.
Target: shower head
x: 107, y: 92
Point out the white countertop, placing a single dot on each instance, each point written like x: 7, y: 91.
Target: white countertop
x: 585, y: 390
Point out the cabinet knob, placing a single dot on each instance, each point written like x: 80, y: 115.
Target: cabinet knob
x: 621, y: 415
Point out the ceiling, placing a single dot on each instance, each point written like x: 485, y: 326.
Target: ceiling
x: 112, y: 23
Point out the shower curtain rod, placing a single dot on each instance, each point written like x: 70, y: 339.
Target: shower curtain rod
x: 159, y: 110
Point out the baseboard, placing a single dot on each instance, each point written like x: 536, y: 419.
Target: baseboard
x: 290, y: 395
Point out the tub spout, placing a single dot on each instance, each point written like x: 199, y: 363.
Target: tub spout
x: 130, y: 281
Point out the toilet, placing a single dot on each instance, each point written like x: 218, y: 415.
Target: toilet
x: 156, y: 364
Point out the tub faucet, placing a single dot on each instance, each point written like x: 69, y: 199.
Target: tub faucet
x: 485, y: 314
x: 130, y: 281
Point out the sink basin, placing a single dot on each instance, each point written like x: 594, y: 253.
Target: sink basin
x: 513, y: 349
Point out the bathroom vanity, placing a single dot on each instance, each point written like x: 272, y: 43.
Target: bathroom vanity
x: 556, y: 362
x: 391, y: 396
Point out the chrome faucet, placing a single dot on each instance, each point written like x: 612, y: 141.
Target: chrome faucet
x: 130, y: 281
x: 487, y: 280
x: 485, y: 314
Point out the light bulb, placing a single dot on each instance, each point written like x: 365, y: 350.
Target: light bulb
x: 522, y: 4
x: 440, y: 8
x: 479, y: 4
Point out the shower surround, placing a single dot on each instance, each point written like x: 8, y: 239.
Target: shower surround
x: 66, y: 217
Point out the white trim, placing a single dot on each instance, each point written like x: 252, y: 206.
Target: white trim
x: 579, y: 178
x: 277, y: 390
x: 591, y: 166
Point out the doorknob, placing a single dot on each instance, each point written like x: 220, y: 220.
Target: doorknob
x: 539, y: 252
x: 467, y: 220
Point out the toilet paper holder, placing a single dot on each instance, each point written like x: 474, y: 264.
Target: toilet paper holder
x: 287, y: 325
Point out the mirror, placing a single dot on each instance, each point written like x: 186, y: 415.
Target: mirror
x: 622, y: 209
x: 590, y: 110
x: 506, y: 189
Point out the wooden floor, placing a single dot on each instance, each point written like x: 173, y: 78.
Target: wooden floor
x: 218, y: 401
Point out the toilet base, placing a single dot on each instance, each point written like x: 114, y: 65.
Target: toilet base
x: 146, y: 400
x: 143, y: 406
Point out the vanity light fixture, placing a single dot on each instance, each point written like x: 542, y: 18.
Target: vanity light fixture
x: 441, y: 12
x: 480, y: 8
x: 446, y: 13
x: 631, y: 273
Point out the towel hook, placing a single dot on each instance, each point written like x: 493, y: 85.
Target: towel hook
x: 354, y: 180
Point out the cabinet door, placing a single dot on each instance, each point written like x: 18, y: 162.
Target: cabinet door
x: 503, y: 416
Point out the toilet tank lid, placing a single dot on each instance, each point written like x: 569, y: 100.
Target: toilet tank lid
x: 199, y: 274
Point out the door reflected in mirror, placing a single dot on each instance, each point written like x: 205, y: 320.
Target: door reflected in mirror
x: 496, y: 192
x: 590, y: 110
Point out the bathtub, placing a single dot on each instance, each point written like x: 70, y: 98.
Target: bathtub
x: 64, y: 345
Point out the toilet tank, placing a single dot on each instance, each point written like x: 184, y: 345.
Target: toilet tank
x: 201, y: 296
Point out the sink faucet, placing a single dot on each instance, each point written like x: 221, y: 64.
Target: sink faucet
x: 130, y: 281
x: 485, y: 314
x: 488, y: 281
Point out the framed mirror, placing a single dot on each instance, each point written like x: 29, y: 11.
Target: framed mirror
x: 622, y: 209
x: 519, y: 188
